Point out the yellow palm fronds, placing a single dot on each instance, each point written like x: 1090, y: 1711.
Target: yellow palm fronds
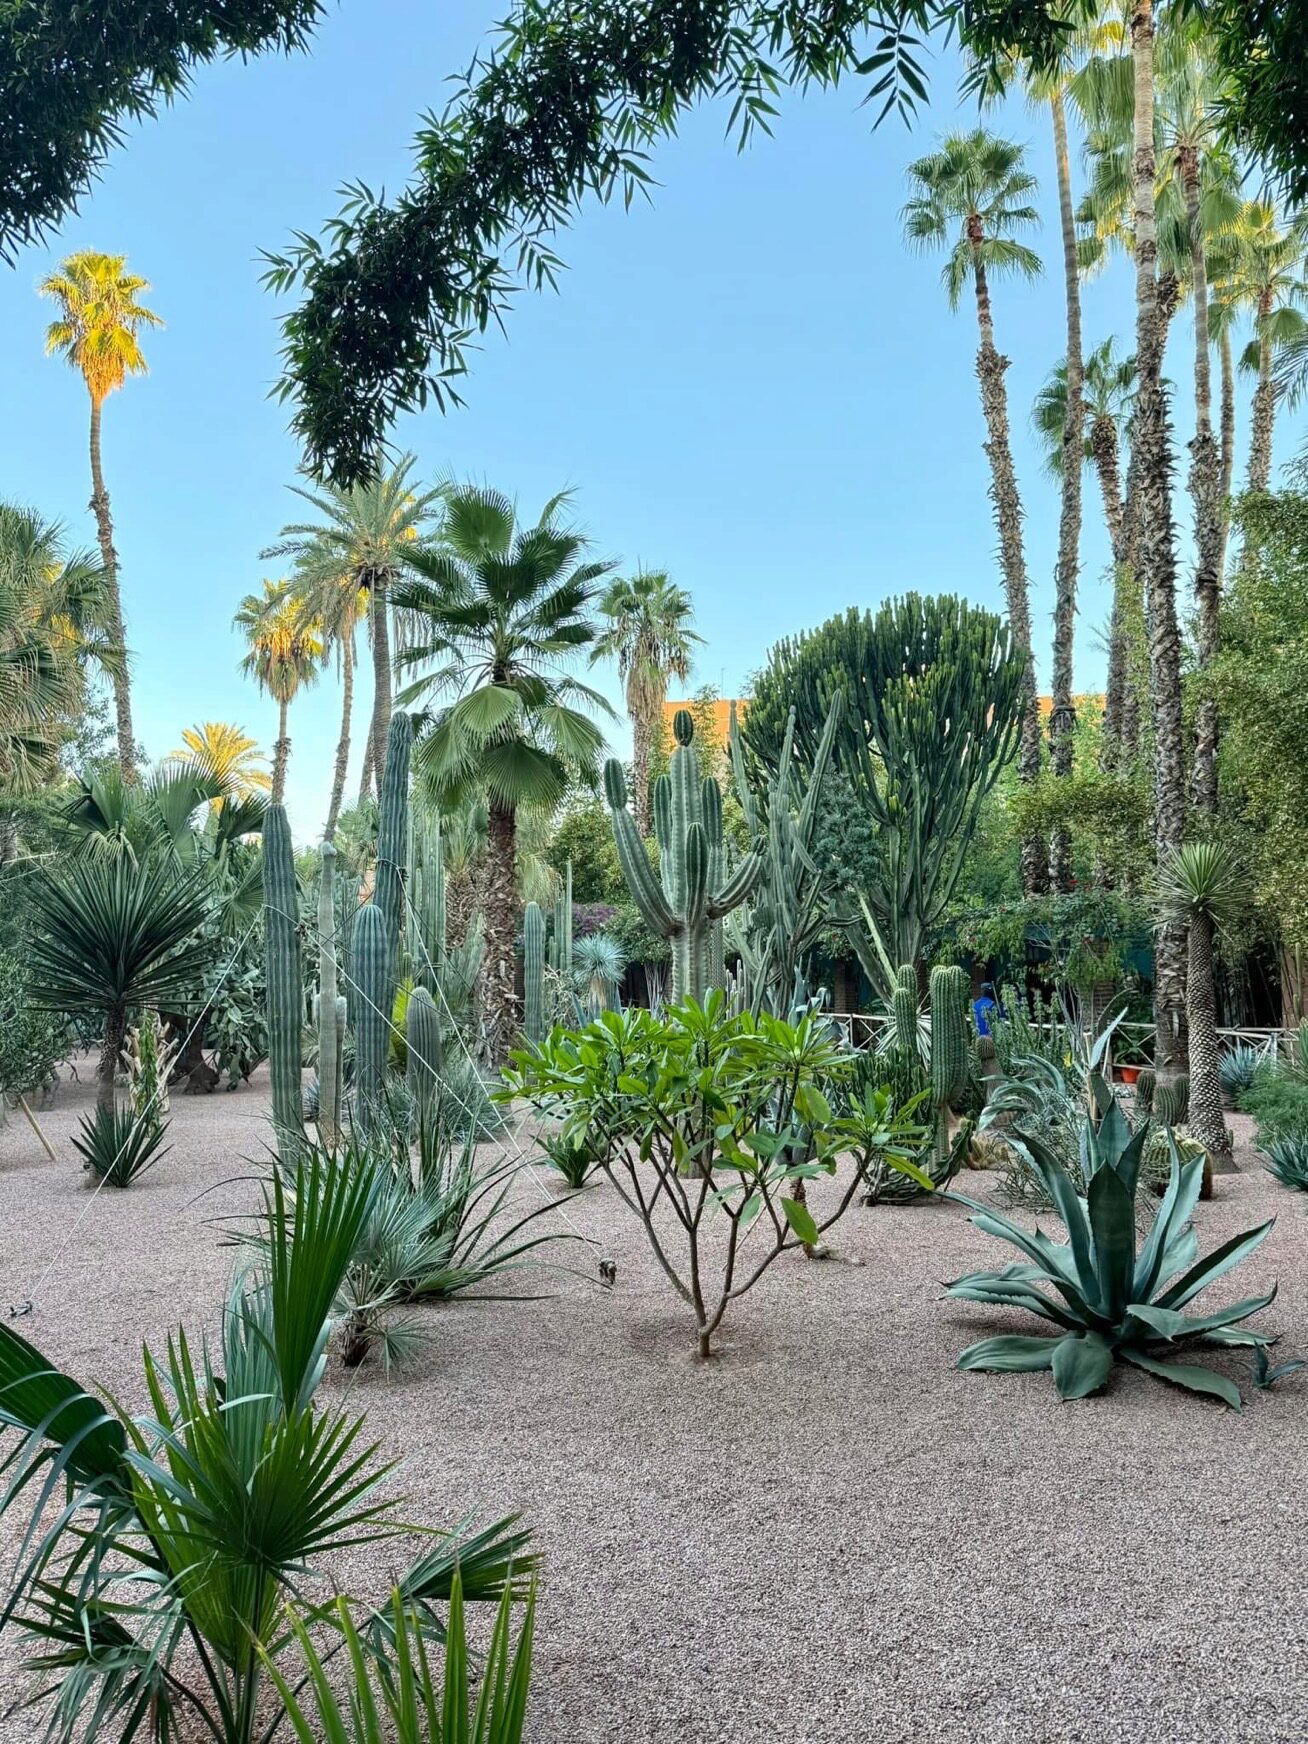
x: 97, y: 330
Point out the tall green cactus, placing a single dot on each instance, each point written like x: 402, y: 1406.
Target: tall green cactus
x: 687, y: 902
x: 329, y: 1059
x: 533, y: 973
x: 282, y: 968
x: 903, y: 1005
x: 393, y: 833
x: 426, y: 938
x: 560, y: 947
x: 371, y: 996
x: 944, y: 1076
x: 422, y: 1030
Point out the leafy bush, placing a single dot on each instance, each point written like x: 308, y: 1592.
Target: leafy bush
x: 119, y: 1144
x: 729, y: 1114
x: 171, y: 1582
x: 1287, y: 1158
x: 1111, y: 1303
x: 1278, y: 1102
x: 575, y: 1156
x: 32, y: 1042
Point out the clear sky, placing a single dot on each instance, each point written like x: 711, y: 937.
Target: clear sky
x: 750, y: 383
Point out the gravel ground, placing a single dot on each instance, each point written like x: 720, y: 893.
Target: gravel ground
x: 829, y: 1534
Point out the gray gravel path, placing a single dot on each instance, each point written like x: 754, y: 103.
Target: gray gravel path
x: 828, y: 1535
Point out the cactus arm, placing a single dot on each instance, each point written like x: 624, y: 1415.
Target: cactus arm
x: 696, y: 871
x: 737, y: 888
x: 649, y: 899
x: 422, y: 1032
x: 282, y: 967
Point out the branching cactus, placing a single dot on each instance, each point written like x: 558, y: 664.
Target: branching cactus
x: 944, y: 1075
x: 393, y: 833
x: 329, y: 1057
x: 533, y: 973
x: 282, y: 966
x: 371, y: 997
x: 686, y: 903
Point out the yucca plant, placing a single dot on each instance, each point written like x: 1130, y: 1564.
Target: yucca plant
x: 163, y: 1552
x: 118, y: 1145
x: 1287, y: 1158
x: 113, y: 934
x: 1110, y: 1303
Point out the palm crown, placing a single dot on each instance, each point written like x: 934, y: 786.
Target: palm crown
x: 649, y: 636
x: 97, y: 330
x: 498, y: 613
x: 284, y: 641
x: 1109, y: 393
x: 974, y: 192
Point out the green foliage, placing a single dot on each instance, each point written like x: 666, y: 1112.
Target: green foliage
x: 1238, y: 1068
x: 1261, y: 49
x: 195, y: 1528
x: 730, y: 1114
x: 393, y: 832
x: 1090, y: 934
x: 117, y: 1145
x: 574, y: 1156
x: 1278, y: 1102
x: 1111, y: 1302
x: 32, y: 1042
x: 932, y: 689
x: 1287, y: 1157
x: 584, y: 837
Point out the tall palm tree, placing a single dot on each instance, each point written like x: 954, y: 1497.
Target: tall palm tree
x: 972, y: 198
x: 54, y: 628
x: 650, y: 637
x: 1109, y: 388
x: 1202, y: 888
x: 229, y: 756
x: 500, y: 610
x: 284, y: 653
x: 358, y: 545
x: 97, y: 332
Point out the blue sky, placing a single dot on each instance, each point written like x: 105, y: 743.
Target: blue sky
x: 750, y: 383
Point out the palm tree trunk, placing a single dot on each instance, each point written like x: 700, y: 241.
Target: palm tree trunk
x: 1228, y: 437
x: 1206, y: 492
x: 104, y: 527
x: 1264, y: 405
x: 1155, y: 554
x: 1205, y: 1117
x: 343, y: 743
x: 499, y: 1004
x: 990, y: 368
x: 1062, y: 718
x: 380, y: 626
x: 115, y: 1028
x: 1103, y: 450
x: 281, y: 754
x: 365, y: 776
x: 642, y: 737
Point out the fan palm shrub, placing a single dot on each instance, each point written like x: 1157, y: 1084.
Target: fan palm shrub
x: 1110, y: 1301
x: 111, y: 935
x: 188, y: 1554
x: 499, y: 611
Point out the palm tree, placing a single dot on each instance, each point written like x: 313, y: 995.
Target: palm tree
x: 229, y: 756
x: 649, y: 636
x: 358, y: 545
x: 54, y: 625
x: 1201, y: 887
x: 1109, y: 388
x: 972, y: 197
x: 97, y: 334
x: 500, y: 610
x: 284, y: 653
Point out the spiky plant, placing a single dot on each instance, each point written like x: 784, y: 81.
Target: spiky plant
x: 1287, y: 1159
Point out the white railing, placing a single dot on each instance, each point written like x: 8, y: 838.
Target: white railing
x: 859, y: 1028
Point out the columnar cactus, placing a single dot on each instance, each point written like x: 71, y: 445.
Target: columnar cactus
x: 945, y: 1077
x: 422, y: 1030
x: 329, y: 1058
x: 533, y: 973
x: 282, y: 969
x: 426, y: 901
x: 903, y: 1005
x: 393, y: 832
x: 560, y: 948
x: 371, y: 993
x: 694, y: 893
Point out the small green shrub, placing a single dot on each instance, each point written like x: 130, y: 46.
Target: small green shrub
x: 118, y: 1145
x: 1278, y: 1102
x: 1287, y: 1158
x: 572, y: 1155
x: 32, y: 1043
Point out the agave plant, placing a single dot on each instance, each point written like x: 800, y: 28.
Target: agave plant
x: 163, y: 1554
x: 1238, y: 1068
x: 1287, y: 1159
x: 1109, y: 1302
x: 118, y: 1145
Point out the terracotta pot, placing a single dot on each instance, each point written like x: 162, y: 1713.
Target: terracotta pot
x: 1128, y: 1074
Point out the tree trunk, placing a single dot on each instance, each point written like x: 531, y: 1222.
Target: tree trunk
x: 1206, y: 492
x: 380, y: 627
x: 1155, y: 554
x: 115, y: 1028
x: 1205, y: 1117
x: 365, y: 777
x: 1103, y: 449
x: 1062, y: 718
x: 104, y: 527
x: 1228, y: 438
x: 642, y: 737
x: 990, y: 368
x: 499, y: 1004
x: 1264, y: 405
x: 281, y: 755
x: 343, y: 743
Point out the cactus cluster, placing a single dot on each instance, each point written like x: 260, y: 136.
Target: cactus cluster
x: 686, y: 903
x: 426, y: 1061
x: 944, y: 1070
x: 282, y: 967
x: 1145, y: 1084
x: 1171, y: 1102
x: 533, y: 974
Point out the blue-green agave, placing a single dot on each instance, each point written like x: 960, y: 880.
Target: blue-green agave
x: 1109, y: 1302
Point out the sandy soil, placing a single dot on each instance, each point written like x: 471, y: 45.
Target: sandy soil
x: 830, y: 1534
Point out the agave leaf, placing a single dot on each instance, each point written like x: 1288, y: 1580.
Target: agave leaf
x: 1167, y: 1323
x: 1016, y: 1296
x: 1190, y: 1375
x: 1112, y: 1218
x: 1114, y: 1136
x: 1082, y: 1364
x: 1053, y: 1259
x: 1222, y: 1259
x: 1010, y: 1355
x: 1171, y: 1228
x: 1238, y: 1335
x: 1073, y: 1213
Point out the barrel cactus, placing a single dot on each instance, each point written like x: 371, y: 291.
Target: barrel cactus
x: 282, y: 966
x: 686, y: 903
